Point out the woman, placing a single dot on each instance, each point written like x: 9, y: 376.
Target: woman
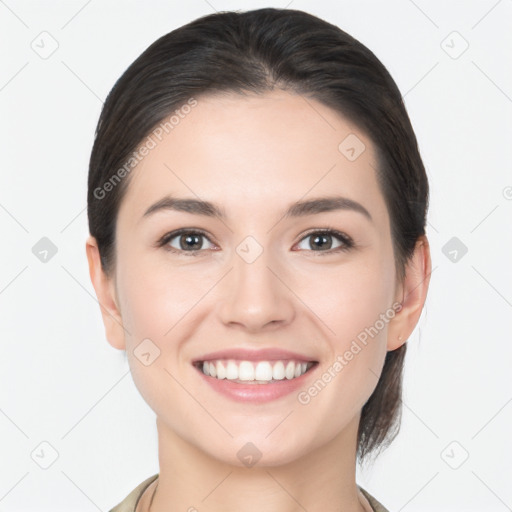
x: 257, y: 207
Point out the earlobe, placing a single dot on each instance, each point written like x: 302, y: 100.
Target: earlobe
x: 105, y: 293
x: 413, y: 293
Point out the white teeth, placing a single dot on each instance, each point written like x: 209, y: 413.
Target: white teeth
x: 290, y: 370
x: 256, y: 372
x: 278, y: 371
x: 263, y: 371
x: 245, y: 371
x: 221, y: 370
x: 232, y: 371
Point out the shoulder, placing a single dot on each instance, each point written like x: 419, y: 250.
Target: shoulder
x: 130, y: 502
x: 376, y: 506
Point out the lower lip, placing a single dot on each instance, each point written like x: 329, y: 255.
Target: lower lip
x: 257, y: 393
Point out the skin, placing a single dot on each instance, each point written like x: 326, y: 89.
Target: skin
x: 254, y: 156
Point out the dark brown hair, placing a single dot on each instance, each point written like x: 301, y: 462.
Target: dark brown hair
x: 258, y: 51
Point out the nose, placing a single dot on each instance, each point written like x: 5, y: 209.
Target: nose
x: 255, y: 294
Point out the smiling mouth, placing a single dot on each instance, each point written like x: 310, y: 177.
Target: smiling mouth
x: 254, y: 372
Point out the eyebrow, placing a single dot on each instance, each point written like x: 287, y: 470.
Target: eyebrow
x: 297, y: 209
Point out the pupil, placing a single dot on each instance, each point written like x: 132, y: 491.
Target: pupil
x: 320, y: 240
x: 191, y: 241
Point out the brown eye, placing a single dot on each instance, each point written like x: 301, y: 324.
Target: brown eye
x: 190, y: 242
x: 323, y: 240
x: 184, y: 241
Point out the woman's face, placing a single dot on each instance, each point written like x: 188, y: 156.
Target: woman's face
x: 256, y: 278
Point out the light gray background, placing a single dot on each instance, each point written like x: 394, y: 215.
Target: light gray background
x: 63, y: 384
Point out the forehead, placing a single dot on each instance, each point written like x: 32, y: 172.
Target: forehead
x: 253, y: 152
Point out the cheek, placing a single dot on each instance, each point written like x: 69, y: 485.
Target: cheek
x: 154, y: 296
x: 352, y: 297
x: 356, y: 305
x: 154, y: 308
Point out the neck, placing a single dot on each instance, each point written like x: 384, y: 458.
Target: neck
x: 323, y: 479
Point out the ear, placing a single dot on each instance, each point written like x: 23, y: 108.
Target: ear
x: 411, y: 294
x: 105, y: 292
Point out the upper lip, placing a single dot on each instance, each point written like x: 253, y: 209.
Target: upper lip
x: 244, y: 354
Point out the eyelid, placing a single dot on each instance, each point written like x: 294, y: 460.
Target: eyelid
x: 347, y: 241
x: 167, y: 237
x: 328, y: 230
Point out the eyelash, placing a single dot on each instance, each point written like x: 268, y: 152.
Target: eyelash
x: 348, y: 243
